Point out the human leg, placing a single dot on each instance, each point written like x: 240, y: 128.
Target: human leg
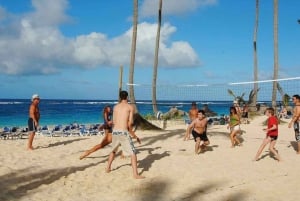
x: 232, y: 134
x: 134, y: 167
x: 105, y: 141
x: 261, y: 148
x: 186, y: 136
x: 236, y: 140
x: 297, y: 136
x: 110, y: 160
x: 272, y: 149
x: 197, y: 146
x: 30, y: 140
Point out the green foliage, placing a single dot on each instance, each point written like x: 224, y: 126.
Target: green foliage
x: 149, y: 116
x: 285, y: 97
x: 240, y: 99
x: 285, y: 100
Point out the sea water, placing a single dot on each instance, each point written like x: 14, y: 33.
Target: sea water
x: 14, y: 112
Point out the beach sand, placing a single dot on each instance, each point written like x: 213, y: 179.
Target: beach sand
x: 54, y: 172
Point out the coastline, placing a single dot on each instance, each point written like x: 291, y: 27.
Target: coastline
x: 53, y: 171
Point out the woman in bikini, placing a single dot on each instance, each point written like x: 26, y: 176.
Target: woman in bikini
x: 108, y: 123
x: 234, y: 125
x: 107, y: 116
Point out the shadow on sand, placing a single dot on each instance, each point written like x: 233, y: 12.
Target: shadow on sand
x: 61, y: 143
x: 16, y: 185
x: 156, y: 191
x: 294, y: 144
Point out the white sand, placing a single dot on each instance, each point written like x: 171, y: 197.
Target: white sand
x: 173, y: 172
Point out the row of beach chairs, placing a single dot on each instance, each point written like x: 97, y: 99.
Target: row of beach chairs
x: 13, y: 133
x: 71, y: 130
x: 58, y: 130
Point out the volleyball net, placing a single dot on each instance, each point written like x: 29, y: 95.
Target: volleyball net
x: 216, y: 92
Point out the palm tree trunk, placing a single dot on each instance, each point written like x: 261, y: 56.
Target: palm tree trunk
x: 154, y: 104
x: 275, y: 30
x: 255, y: 76
x: 133, y: 49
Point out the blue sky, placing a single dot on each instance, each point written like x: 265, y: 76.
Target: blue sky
x: 72, y: 49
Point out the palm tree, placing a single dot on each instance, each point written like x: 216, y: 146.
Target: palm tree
x: 285, y: 97
x: 275, y: 30
x: 133, y: 49
x: 154, y: 104
x: 254, y: 98
x: 240, y: 99
x: 139, y: 121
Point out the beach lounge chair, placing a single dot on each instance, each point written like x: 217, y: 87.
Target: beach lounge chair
x: 22, y: 132
x: 75, y: 129
x: 58, y: 131
x: 5, y: 134
x: 15, y: 132
x: 45, y: 131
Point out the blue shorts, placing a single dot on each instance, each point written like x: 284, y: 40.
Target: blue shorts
x: 31, y: 126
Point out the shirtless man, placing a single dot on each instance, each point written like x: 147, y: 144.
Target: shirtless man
x: 33, y: 120
x: 122, y: 120
x: 198, y: 127
x: 296, y: 120
x: 193, y: 114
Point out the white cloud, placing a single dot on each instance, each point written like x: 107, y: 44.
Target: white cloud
x: 35, y: 44
x: 173, y: 7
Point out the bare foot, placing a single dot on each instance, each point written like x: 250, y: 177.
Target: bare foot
x: 199, y: 150
x: 84, y: 155
x: 298, y: 152
x: 107, y: 170
x: 138, y: 177
x: 255, y: 159
x: 29, y: 148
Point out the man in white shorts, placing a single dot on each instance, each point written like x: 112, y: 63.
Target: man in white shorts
x: 122, y: 123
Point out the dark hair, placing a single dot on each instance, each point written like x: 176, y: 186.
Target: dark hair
x: 296, y: 96
x: 105, y: 108
x: 194, y: 103
x: 271, y: 110
x: 234, y: 110
x: 123, y: 95
x: 201, y: 111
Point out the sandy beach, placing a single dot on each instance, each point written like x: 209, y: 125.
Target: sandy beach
x: 54, y: 172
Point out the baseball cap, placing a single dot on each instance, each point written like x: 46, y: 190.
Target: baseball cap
x: 35, y: 96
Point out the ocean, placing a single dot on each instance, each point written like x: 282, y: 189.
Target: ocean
x: 14, y: 112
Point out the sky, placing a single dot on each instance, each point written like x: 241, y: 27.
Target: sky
x: 73, y: 49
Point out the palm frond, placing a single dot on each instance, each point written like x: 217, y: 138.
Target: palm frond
x: 230, y: 92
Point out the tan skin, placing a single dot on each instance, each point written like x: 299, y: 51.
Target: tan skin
x: 107, y: 136
x: 122, y: 120
x: 233, y: 133
x: 268, y: 140
x: 199, y: 125
x: 296, y: 117
x: 34, y: 113
x: 193, y: 114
